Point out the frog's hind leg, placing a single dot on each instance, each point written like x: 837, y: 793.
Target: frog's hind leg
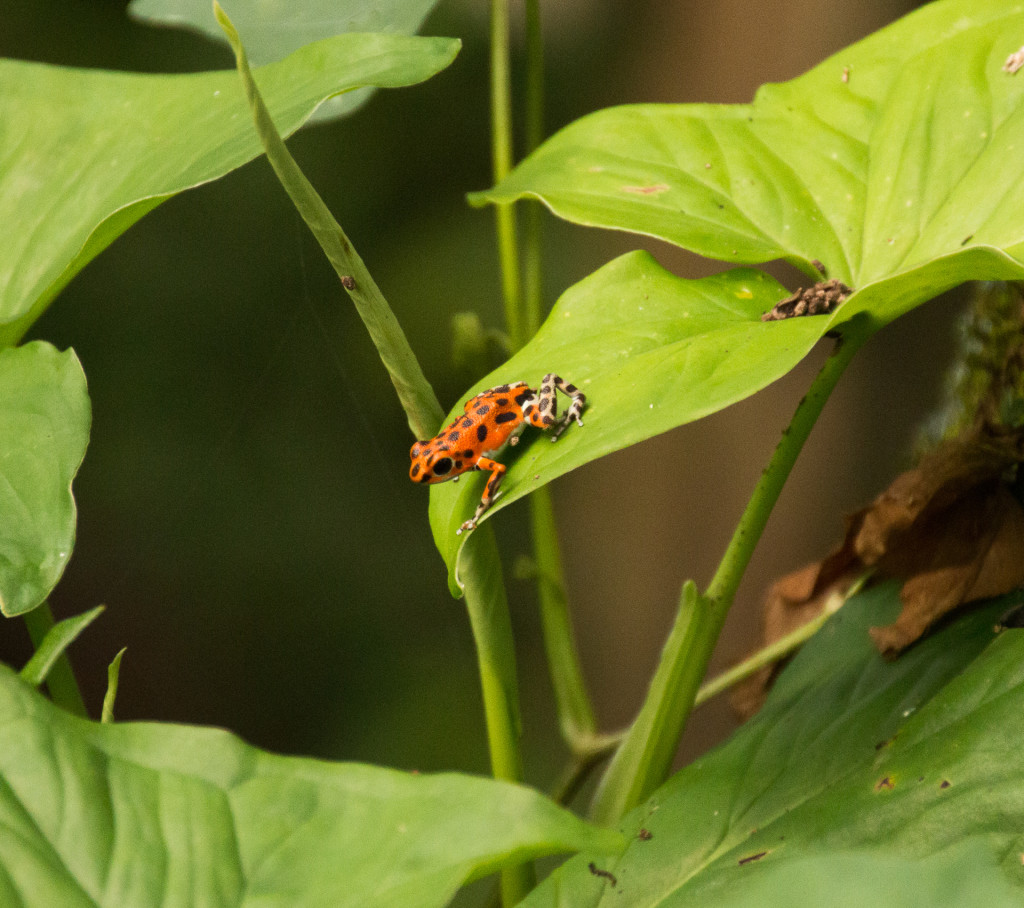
x: 490, y: 490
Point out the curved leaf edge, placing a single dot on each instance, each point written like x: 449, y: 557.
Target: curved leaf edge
x: 217, y: 760
x: 69, y: 361
x: 120, y: 219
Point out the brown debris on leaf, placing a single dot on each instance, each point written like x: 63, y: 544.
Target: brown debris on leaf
x: 1014, y: 62
x: 951, y: 529
x: 820, y: 299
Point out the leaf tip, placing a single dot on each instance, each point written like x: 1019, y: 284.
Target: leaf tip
x: 226, y: 25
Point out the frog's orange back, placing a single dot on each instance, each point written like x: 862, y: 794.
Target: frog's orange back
x: 489, y: 420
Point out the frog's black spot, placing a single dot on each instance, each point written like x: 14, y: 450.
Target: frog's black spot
x: 481, y: 432
x: 547, y: 420
x: 465, y: 422
x: 524, y: 396
x: 442, y: 466
x: 570, y: 389
x: 482, y: 411
x: 508, y: 416
x: 425, y: 477
x: 527, y: 410
x: 458, y: 464
x: 415, y: 470
x: 501, y: 389
x: 444, y: 447
x: 502, y: 401
x: 468, y: 453
x: 453, y: 436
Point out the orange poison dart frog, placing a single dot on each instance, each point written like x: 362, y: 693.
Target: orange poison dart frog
x: 493, y: 419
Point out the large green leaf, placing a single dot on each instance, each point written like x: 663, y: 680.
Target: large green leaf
x: 890, y: 164
x: 144, y: 814
x: 271, y: 29
x: 651, y: 351
x: 894, y: 163
x: 85, y: 153
x: 850, y: 755
x: 961, y: 877
x: 44, y: 424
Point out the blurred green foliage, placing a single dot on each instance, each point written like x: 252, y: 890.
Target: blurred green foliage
x: 243, y: 508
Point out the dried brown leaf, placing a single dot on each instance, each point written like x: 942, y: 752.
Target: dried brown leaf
x: 950, y: 529
x: 975, y: 551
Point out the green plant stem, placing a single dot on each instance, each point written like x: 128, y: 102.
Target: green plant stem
x: 777, y: 650
x: 575, y: 712
x: 60, y: 681
x: 533, y: 291
x: 414, y: 391
x: 501, y: 159
x: 600, y: 747
x: 484, y: 587
x: 487, y: 605
x: 645, y: 758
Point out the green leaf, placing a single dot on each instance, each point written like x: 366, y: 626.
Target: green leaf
x: 44, y: 421
x: 651, y: 351
x: 152, y: 814
x: 86, y: 153
x: 890, y: 163
x: 57, y: 639
x: 113, y: 676
x: 966, y: 877
x: 900, y: 760
x: 271, y: 29
x: 895, y: 178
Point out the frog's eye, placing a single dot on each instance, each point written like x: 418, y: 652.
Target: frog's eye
x: 442, y: 465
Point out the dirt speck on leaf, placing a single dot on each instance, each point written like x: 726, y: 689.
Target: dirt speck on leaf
x: 750, y: 858
x: 604, y: 874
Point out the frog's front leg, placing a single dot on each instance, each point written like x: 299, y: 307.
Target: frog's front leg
x: 490, y: 490
x: 544, y: 414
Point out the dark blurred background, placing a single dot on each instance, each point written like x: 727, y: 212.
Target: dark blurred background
x: 244, y: 511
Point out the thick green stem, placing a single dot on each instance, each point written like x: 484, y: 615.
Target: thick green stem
x: 421, y: 406
x: 480, y: 570
x: 600, y: 747
x: 722, y: 589
x: 484, y: 588
x: 575, y: 712
x: 645, y: 758
x: 501, y: 159
x: 60, y: 681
